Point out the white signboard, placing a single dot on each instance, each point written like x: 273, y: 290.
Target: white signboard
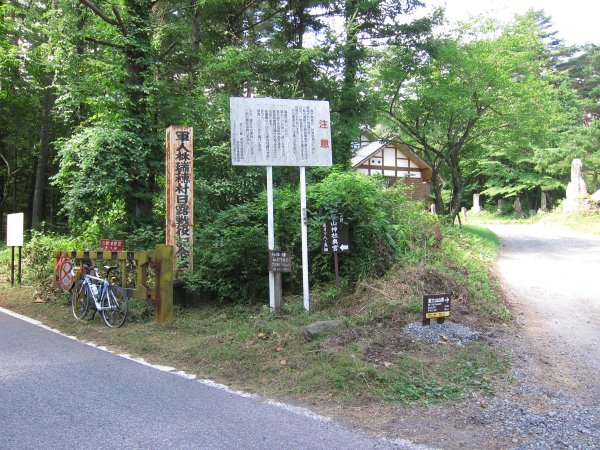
x: 14, y: 230
x: 280, y: 132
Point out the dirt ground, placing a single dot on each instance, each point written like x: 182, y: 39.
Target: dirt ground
x: 551, y: 277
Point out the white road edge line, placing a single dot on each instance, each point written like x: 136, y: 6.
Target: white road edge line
x: 405, y: 443
x: 293, y: 409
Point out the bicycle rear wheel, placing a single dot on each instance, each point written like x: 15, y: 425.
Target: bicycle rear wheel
x: 117, y: 303
x: 80, y: 300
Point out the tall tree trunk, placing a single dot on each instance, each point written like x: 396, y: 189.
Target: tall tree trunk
x: 437, y: 192
x: 137, y: 66
x: 137, y: 50
x: 349, y: 107
x: 457, y: 187
x: 195, y: 42
x: 5, y: 185
x: 41, y: 176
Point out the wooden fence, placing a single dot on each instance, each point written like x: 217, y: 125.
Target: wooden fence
x: 160, y: 262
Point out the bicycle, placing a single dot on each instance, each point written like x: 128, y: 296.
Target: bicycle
x: 96, y: 292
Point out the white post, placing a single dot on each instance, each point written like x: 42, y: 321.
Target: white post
x: 304, y: 230
x: 271, y: 232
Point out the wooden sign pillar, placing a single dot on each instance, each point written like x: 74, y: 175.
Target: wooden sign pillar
x: 180, y: 195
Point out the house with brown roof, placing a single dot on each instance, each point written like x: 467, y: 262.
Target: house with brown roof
x: 395, y: 161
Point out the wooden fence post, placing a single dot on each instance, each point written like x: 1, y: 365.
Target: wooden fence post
x: 164, y: 283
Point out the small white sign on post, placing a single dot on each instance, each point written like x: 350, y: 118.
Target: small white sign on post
x: 280, y: 132
x: 14, y: 230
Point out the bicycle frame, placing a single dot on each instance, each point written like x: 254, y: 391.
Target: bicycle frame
x: 110, y: 300
x: 102, y: 292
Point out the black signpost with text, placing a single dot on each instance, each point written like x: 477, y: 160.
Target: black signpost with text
x: 280, y: 261
x: 436, y: 306
x: 334, y: 239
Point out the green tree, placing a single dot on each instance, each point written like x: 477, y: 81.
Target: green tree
x: 450, y: 101
x: 584, y: 75
x: 367, y: 24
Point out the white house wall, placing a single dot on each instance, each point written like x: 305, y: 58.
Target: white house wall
x: 389, y: 156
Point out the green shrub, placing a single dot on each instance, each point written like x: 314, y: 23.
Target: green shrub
x: 37, y: 251
x: 230, y: 254
x: 361, y: 201
x: 230, y: 260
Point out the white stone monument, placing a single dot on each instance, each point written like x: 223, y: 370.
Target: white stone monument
x: 576, y: 189
x: 544, y: 202
x: 517, y: 206
x: 476, y: 208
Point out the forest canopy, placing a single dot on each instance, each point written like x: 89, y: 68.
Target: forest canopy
x: 87, y: 88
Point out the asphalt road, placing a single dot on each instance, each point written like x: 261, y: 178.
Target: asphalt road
x: 58, y: 393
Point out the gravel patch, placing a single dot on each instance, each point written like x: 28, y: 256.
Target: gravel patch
x: 447, y: 331
x: 559, y: 423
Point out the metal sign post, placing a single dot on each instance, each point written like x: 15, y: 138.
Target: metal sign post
x: 14, y: 238
x: 304, y: 232
x: 274, y: 278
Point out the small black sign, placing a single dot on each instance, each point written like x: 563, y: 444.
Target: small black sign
x: 436, y: 306
x: 334, y: 236
x: 280, y: 261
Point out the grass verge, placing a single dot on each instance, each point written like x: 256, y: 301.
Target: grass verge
x: 367, y: 360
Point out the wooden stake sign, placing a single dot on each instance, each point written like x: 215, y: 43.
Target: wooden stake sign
x: 180, y: 195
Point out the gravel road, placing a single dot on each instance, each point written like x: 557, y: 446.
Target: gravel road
x: 552, y: 278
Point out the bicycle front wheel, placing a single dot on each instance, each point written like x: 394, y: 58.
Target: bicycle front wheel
x: 115, y: 303
x: 80, y: 300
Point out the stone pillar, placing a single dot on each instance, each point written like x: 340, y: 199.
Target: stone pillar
x: 517, y: 206
x: 576, y: 189
x: 544, y: 202
x: 476, y: 208
x: 500, y: 209
x: 432, y: 208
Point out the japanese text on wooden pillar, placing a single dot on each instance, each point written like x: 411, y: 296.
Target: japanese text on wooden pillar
x: 180, y: 195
